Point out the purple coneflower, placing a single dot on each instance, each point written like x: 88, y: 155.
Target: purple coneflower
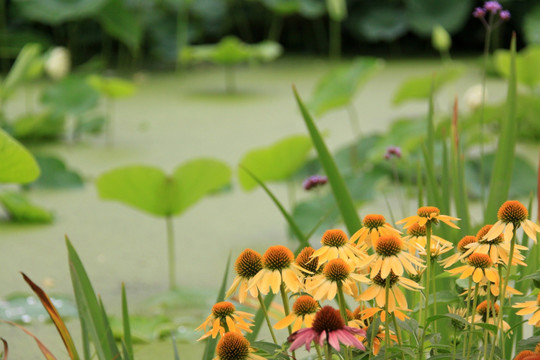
x: 328, y: 325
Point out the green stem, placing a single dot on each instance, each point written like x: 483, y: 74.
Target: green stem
x: 342, y: 308
x: 428, y: 276
x: 489, y: 307
x: 275, y: 28
x: 171, y: 252
x: 398, y: 334
x: 109, y: 131
x: 263, y: 307
x: 319, y: 354
x: 475, y: 302
x: 387, y: 341
x: 335, y: 40
x: 285, y: 300
x: 434, y: 291
x: 482, y: 108
x: 328, y: 351
x: 454, y: 350
x: 468, y: 299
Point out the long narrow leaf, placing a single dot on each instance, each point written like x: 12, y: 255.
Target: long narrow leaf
x: 294, y: 227
x: 46, y: 352
x: 55, y: 317
x: 110, y: 340
x: 6, y: 349
x: 127, y: 328
x: 341, y: 192
x: 432, y: 186
x: 175, y: 348
x: 504, y: 158
x: 210, y: 347
x: 461, y: 199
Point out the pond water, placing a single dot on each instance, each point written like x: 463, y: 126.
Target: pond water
x: 175, y: 117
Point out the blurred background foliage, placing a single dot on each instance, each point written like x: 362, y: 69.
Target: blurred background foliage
x: 151, y: 33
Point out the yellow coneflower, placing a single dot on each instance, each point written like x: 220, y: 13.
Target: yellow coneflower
x: 389, y: 256
x: 336, y: 245
x: 396, y: 298
x: 370, y: 312
x: 530, y: 307
x: 462, y: 248
x: 512, y: 214
x: 497, y: 248
x: 234, y: 346
x: 336, y: 273
x: 373, y: 227
x: 480, y: 267
x: 416, y: 238
x: 247, y: 265
x: 303, y: 312
x: 225, y: 318
x: 437, y: 249
x: 488, y: 313
x: 427, y: 214
x: 494, y: 287
x: 305, y: 261
x: 278, y: 266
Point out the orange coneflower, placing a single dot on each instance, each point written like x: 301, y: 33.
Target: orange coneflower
x: 336, y: 273
x: 512, y: 214
x: 527, y: 355
x: 310, y: 264
x: 462, y: 248
x: 488, y: 313
x: 530, y: 307
x: 234, y: 346
x: 370, y: 312
x: 373, y: 227
x: 247, y: 265
x: 480, y: 267
x: 494, y: 287
x: 336, y: 245
x: 225, y: 318
x: 278, y: 266
x: 416, y: 238
x: 427, y: 214
x: 389, y: 256
x: 303, y: 312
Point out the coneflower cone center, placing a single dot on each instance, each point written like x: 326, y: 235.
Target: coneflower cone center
x: 416, y: 230
x: 466, y: 240
x: 382, y: 282
x: 480, y: 260
x: 223, y: 309
x: 233, y: 346
x: 335, y: 238
x: 327, y: 319
x: 374, y: 221
x: 337, y: 270
x: 248, y: 264
x: 537, y: 348
x: 305, y: 305
x: 512, y: 212
x: 305, y: 261
x: 427, y: 211
x: 388, y: 245
x: 277, y: 258
x: 482, y: 310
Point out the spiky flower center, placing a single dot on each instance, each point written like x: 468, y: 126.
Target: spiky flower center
x: 524, y: 354
x: 537, y: 348
x: 466, y: 240
x: 483, y: 232
x: 327, y: 319
x: 337, y: 270
x: 388, y: 245
x: 482, y: 261
x: 305, y: 305
x: 416, y: 230
x: 248, y: 264
x: 482, y: 310
x: 378, y: 280
x: 374, y: 221
x: 512, y: 212
x: 233, y: 346
x: 223, y: 309
x: 334, y: 237
x: 277, y: 257
x: 305, y: 261
x: 427, y: 211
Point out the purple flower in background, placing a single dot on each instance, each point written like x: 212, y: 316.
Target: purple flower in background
x: 314, y: 181
x: 479, y: 12
x: 492, y: 6
x: 504, y: 15
x: 392, y: 151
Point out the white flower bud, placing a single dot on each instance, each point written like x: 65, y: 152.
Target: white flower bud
x: 474, y: 97
x: 58, y: 63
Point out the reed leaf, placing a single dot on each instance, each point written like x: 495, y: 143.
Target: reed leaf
x: 341, y: 192
x: 44, y: 350
x: 127, y: 341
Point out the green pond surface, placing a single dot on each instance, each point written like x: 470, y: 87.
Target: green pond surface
x: 175, y: 117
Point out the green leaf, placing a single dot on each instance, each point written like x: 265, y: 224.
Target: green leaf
x: 504, y: 159
x: 340, y: 190
x: 380, y: 21
x: 111, y: 87
x: 531, y: 25
x: 38, y: 126
x: 73, y: 95
x: 424, y: 15
x: 282, y: 7
x: 527, y: 64
x: 143, y: 328
x: 17, y: 165
x: 55, y: 174
x: 277, y: 162
x: 147, y: 188
x: 28, y: 65
x: 122, y: 23
x: 337, y: 88
x: 20, y: 209
x: 126, y: 326
x: 419, y: 87
x: 527, y: 344
x: 55, y: 12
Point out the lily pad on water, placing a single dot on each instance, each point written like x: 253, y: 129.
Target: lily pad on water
x: 20, y: 209
x: 527, y: 64
x: 73, y: 95
x: 27, y: 309
x: 56, y: 175
x: 111, y: 87
x: 17, y: 165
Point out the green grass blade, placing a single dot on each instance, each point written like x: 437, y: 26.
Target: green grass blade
x: 175, y: 348
x: 433, y: 196
x: 89, y: 308
x: 110, y: 340
x: 85, y: 339
x: 339, y: 189
x: 210, y: 347
x: 127, y: 328
x: 294, y: 227
x: 461, y: 199
x: 445, y: 180
x: 431, y: 124
x: 420, y: 184
x: 504, y: 158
